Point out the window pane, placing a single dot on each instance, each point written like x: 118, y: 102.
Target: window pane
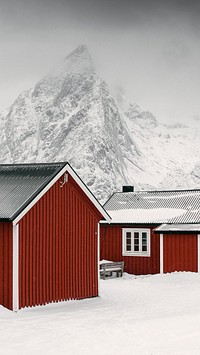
x: 136, y: 241
x: 128, y: 241
x: 144, y: 241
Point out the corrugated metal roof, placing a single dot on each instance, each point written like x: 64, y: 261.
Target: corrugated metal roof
x: 178, y: 228
x: 20, y: 183
x: 180, y: 206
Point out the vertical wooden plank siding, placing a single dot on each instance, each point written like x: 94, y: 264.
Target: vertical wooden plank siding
x: 6, y: 265
x: 180, y: 252
x: 58, y: 247
x: 111, y: 249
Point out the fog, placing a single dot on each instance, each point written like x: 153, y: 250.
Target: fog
x: 150, y: 48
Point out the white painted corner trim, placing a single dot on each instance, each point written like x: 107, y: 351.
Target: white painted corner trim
x: 161, y: 253
x: 98, y: 256
x: 198, y: 251
x: 15, y: 267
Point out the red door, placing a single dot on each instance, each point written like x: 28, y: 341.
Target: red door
x: 180, y: 252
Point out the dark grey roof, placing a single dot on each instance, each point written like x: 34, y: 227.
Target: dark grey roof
x: 184, y: 203
x: 21, y: 183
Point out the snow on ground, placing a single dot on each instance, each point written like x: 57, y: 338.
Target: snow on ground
x: 147, y: 315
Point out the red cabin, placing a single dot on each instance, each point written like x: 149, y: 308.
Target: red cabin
x: 49, y: 229
x: 153, y: 231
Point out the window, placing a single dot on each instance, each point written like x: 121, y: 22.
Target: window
x: 136, y: 242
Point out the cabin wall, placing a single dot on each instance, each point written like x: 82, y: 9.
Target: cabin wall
x: 111, y: 249
x: 58, y: 246
x: 6, y: 265
x: 180, y: 252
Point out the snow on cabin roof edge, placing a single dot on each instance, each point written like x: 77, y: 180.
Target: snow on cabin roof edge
x: 166, y: 206
x: 177, y: 228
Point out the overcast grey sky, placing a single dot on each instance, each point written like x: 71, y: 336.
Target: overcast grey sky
x: 150, y: 47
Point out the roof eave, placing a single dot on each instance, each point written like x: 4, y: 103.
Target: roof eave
x: 130, y: 223
x: 161, y: 229
x: 66, y: 167
x: 91, y: 196
x: 177, y: 232
x: 42, y: 187
x: 7, y: 220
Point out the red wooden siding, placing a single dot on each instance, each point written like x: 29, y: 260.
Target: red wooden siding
x: 58, y: 247
x: 180, y: 252
x: 111, y: 249
x: 6, y: 265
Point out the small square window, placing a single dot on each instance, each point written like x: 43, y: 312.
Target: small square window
x: 136, y: 242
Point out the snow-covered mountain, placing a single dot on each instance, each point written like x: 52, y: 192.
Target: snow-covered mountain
x: 71, y: 115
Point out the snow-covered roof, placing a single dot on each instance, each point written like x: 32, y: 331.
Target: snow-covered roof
x: 178, y: 228
x: 181, y: 206
x: 156, y: 215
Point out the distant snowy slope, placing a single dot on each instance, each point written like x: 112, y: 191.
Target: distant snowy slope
x: 71, y: 115
x: 171, y: 151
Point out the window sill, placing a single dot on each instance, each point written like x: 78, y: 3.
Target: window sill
x: 137, y: 254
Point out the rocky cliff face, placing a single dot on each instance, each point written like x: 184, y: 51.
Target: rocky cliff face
x: 70, y: 115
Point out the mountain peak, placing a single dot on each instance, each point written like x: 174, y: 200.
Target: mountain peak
x: 79, y: 60
x: 71, y: 115
x: 80, y: 51
x: 78, y: 64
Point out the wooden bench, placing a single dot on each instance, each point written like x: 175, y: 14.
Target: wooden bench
x: 107, y: 269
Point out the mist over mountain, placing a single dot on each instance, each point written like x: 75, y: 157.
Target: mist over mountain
x: 72, y: 115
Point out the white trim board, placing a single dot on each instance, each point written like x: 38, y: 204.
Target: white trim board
x: 161, y: 253
x: 98, y: 256
x: 65, y: 169
x: 15, y: 267
x: 198, y: 252
x: 88, y: 193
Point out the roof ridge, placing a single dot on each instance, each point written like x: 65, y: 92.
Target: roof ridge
x: 34, y: 164
x: 154, y: 191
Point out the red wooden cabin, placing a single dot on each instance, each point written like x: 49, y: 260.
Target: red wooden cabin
x: 49, y: 228
x: 153, y: 232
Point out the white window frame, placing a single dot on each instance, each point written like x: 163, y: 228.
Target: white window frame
x: 132, y: 252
